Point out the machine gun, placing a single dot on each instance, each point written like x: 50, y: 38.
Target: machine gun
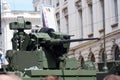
x: 45, y: 50
x: 54, y: 45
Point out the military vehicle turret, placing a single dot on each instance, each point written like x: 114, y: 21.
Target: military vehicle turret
x: 36, y: 55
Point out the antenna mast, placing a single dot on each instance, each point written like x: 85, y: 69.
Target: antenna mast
x: 104, y: 39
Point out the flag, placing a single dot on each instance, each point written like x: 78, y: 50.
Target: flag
x: 48, y: 17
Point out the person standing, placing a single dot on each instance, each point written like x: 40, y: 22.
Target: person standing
x: 3, y: 61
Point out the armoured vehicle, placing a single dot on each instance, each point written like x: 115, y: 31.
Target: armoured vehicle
x: 36, y: 55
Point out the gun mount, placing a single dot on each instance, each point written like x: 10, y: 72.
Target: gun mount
x: 54, y: 45
x: 43, y: 53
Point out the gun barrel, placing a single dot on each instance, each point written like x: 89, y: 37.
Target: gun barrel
x: 77, y: 40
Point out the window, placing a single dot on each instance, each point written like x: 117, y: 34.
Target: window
x: 0, y: 23
x: 50, y: 1
x: 115, y: 16
x: 116, y: 10
x: 101, y: 30
x: 57, y: 3
x: 58, y: 23
x: 0, y: 28
x: 116, y: 52
x: 65, y: 11
x: 65, y: 14
x: 57, y: 15
x: 91, y: 57
x: 65, y: 0
x: 89, y: 2
x: 67, y: 24
x: 58, y: 20
x: 81, y: 61
x: 35, y: 8
x: 78, y: 5
x: 90, y: 21
x: 81, y: 23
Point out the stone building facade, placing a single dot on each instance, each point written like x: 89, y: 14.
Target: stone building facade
x: 89, y: 19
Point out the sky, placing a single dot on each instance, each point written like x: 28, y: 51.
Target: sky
x: 21, y: 5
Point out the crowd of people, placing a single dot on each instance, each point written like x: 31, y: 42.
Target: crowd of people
x: 51, y: 77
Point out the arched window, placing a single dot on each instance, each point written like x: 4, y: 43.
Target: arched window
x: 81, y: 60
x: 91, y: 57
x: 116, y: 52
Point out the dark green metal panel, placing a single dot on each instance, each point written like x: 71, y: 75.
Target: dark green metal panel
x: 66, y: 78
x: 72, y: 63
x: 79, y: 78
x: 21, y: 60
x: 68, y: 74
x: 59, y: 72
x: 38, y: 78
